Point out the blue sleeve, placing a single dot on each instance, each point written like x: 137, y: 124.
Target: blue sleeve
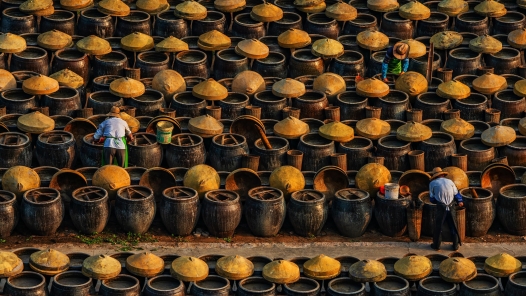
x: 458, y: 197
x: 405, y: 65
x: 384, y: 70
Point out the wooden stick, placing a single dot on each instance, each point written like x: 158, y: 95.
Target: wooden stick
x: 264, y: 138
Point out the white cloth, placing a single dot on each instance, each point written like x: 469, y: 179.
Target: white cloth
x: 442, y: 190
x: 113, y: 129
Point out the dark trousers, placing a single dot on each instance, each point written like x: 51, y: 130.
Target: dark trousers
x: 110, y: 153
x: 439, y: 223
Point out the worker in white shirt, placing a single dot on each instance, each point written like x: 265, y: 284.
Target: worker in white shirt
x: 113, y: 132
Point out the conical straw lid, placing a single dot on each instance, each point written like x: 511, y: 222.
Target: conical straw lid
x: 12, y: 43
x: 93, y: 45
x: 37, y: 7
x: 213, y: 40
x: 446, y: 40
x: 7, y: 80
x: 152, y: 7
x: 230, y: 5
x: 458, y: 128
x: 457, y: 270
x: 489, y: 83
x: 10, y: 264
x: 306, y: 3
x: 453, y: 7
x: 291, y: 128
x: 341, y: 12
x: 453, y: 89
x: 337, y: 131
x: 415, y: 11
x: 322, y: 267
x: 266, y: 12
x: 169, y: 82
x: 372, y: 39
x: 145, y: 264
x: 252, y: 49
x: 132, y: 122
x: 294, y: 38
x: 382, y: 5
x: 49, y: 262
x: 248, y: 82
x: 126, y: 87
x: 327, y: 48
x: 373, y: 128
x: 313, y: 9
x: 113, y: 7
x: 371, y: 176
x: 40, y: 85
x: 101, y: 267
x: 205, y: 126
x: 490, y: 8
x: 66, y: 77
x: 288, y: 88
x: 372, y: 87
x: 329, y: 83
x: 413, y: 268
x: 171, y: 44
x: 137, y: 41
x: 189, y: 269
x: 416, y: 48
x: 413, y: 132
x: 54, y: 40
x: 498, y: 136
x: 502, y: 265
x: 281, y: 272
x: 210, y: 90
x: 190, y: 10
x: 516, y: 38
x: 485, y: 44
x: 234, y: 267
x: 519, y: 88
x: 412, y: 83
x: 35, y: 123
x: 75, y: 5
x: 367, y: 271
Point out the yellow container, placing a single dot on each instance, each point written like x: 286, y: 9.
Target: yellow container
x: 164, y: 132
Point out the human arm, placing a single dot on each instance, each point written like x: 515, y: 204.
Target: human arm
x: 99, y: 133
x: 405, y: 65
x: 127, y: 131
x: 432, y: 198
x: 385, y: 63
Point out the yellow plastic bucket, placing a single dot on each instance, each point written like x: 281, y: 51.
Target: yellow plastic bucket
x: 164, y: 132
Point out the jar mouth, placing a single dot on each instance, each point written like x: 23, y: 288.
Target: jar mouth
x: 15, y: 13
x: 393, y: 16
x: 17, y: 95
x: 93, y: 13
x: 136, y: 16
x: 230, y: 54
x: 169, y: 16
x: 70, y: 54
x: 113, y: 56
x: 191, y: 56
x: 244, y: 19
x: 274, y: 58
x: 60, y: 15
x: 304, y: 55
x: 437, y: 17
x: 516, y: 17
x: 212, y: 16
x: 364, y: 19
x: 32, y: 53
x: 289, y: 18
x: 153, y: 57
x: 320, y: 18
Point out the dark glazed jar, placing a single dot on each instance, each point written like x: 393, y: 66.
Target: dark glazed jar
x: 244, y: 26
x: 312, y: 104
x: 214, y: 20
x: 290, y: 20
x: 273, y: 45
x: 221, y: 212
x: 112, y: 63
x: 192, y: 63
x: 463, y: 61
x: 393, y: 25
x: 17, y: 101
x: 186, y: 105
x: 27, y: 283
x: 102, y: 101
x: 511, y: 21
x: 472, y: 22
x: 61, y: 20
x: 361, y: 23
x: 65, y: 101
x: 167, y: 24
x: 437, y: 22
x: 93, y: 22
x: 317, y: 150
x: 16, y: 22
x: 33, y: 59
x: 307, y: 211
x: 135, y: 208
x: 228, y: 64
x: 136, y: 21
x: 272, y: 66
x: 303, y: 62
x: 42, y: 210
x: 74, y: 60
x: 152, y: 62
x: 351, y: 63
x: 319, y: 23
x: 506, y: 61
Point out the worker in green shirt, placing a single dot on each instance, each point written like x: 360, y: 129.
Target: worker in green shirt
x: 396, y: 60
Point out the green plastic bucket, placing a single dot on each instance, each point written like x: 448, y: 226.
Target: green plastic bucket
x: 164, y: 132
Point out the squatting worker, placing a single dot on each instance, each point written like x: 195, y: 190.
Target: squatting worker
x: 113, y: 131
x: 443, y: 193
x: 396, y: 60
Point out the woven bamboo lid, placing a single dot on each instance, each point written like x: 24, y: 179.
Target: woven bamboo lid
x: 516, y: 38
x: 210, y: 90
x: 234, y: 267
x: 169, y: 82
x: 111, y: 178
x: 66, y: 77
x: 113, y: 7
x: 35, y: 123
x: 126, y: 87
x: 189, y: 269
x: 281, y: 272
x: 288, y: 88
x: 371, y: 176
x: 498, y: 136
x: 490, y: 8
x: 266, y: 12
x: 416, y: 48
x: 54, y: 40
x: 327, y: 48
x: 453, y: 89
x: 382, y: 5
x: 137, y: 41
x: 132, y: 122
x: 485, y: 44
x: 288, y: 179
x: 322, y: 267
x: 373, y: 128
x: 372, y: 39
x: 19, y: 179
x: 337, y: 131
x: 75, y: 5
x: 205, y: 126
x: 489, y: 83
x: 10, y: 264
x: 329, y: 83
x: 458, y: 128
x: 502, y: 265
x: 372, y: 87
x: 291, y: 128
x: 413, y: 132
x: 412, y: 83
x: 101, y: 267
x: 230, y: 5
x: 49, y: 262
x: 202, y: 178
x: 294, y: 38
x: 313, y: 9
x: 145, y: 264
x: 365, y: 271
x: 458, y: 176
x: 522, y: 126
x: 453, y: 7
x: 213, y: 40
x: 306, y: 3
x: 152, y: 7
x: 252, y: 49
x: 413, y: 268
x: 341, y: 12
x: 11, y: 43
x: 93, y: 45
x: 37, y: 7
x: 457, y: 270
x: 7, y: 80
x: 446, y: 40
x: 519, y: 88
x: 415, y: 11
x: 248, y: 82
x: 40, y: 85
x: 190, y: 10
x: 171, y: 44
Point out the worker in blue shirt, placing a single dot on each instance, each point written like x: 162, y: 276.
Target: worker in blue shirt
x: 396, y: 60
x: 443, y: 192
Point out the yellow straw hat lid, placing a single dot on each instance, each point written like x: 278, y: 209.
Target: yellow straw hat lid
x: 234, y: 267
x: 10, y: 264
x: 230, y: 5
x: 40, y: 85
x: 101, y: 267
x: 413, y: 132
x: 49, y: 262
x: 382, y: 5
x: 75, y: 5
x: 489, y: 83
x: 416, y: 48
x: 12, y: 43
x: 498, y: 136
x: 337, y: 131
x: 266, y: 12
x: 327, y: 48
x: 291, y: 128
x: 371, y: 176
x: 213, y: 40
x: 145, y: 264
x: 152, y: 7
x: 490, y: 8
x: 516, y: 38
x: 519, y: 88
x: 453, y: 89
x: 205, y: 126
x: 189, y: 269
x: 288, y: 179
x: 415, y: 11
x: 137, y: 41
x: 93, y: 45
x: 288, y: 88
x: 372, y: 39
x: 35, y: 123
x: 171, y: 44
x: 7, y: 80
x: 169, y: 82
x: 330, y: 84
x: 202, y: 178
x: 341, y: 12
x: 313, y: 9
x: 502, y: 265
x: 373, y: 128
x: 66, y: 77
x: 252, y: 49
x: 113, y: 7
x: 412, y: 83
x: 190, y: 10
x: 446, y: 40
x: 457, y: 270
x: 210, y: 90
x: 485, y: 44
x: 367, y: 271
x: 458, y: 128
x: 294, y: 38
x: 281, y: 272
x: 126, y: 87
x: 322, y: 267
x: 54, y: 40
x: 372, y: 87
x: 453, y: 7
x: 413, y: 268
x: 248, y: 82
x: 458, y: 176
x: 37, y: 7
x: 19, y: 179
